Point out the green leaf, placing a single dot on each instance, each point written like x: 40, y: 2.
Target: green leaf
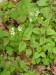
x: 1, y: 13
x: 48, y: 40
x: 30, y: 73
x: 47, y: 11
x: 42, y: 54
x: 33, y: 61
x: 36, y: 55
x: 28, y: 52
x: 2, y: 33
x: 5, y: 73
x: 50, y: 31
x: 39, y: 49
x: 54, y: 37
x: 42, y: 30
x: 36, y: 30
x: 54, y: 8
x: 13, y: 14
x: 42, y: 2
x: 42, y: 23
x: 46, y: 61
x: 6, y: 41
x: 13, y: 66
x: 52, y: 55
x: 54, y: 50
x: 54, y: 19
x: 10, y: 5
x: 3, y: 5
x: 22, y: 46
x: 38, y: 60
x: 42, y: 40
x: 21, y: 11
x: 49, y: 46
x: 9, y: 50
x: 27, y: 5
x: 33, y: 42
x: 23, y: 66
x: 27, y: 33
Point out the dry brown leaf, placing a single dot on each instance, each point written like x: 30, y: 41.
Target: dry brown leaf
x: 54, y: 2
x: 2, y: 1
x: 54, y: 72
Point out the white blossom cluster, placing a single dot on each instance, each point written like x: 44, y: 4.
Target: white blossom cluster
x: 12, y: 30
x: 37, y: 13
x: 30, y: 19
x: 34, y: 14
x: 19, y: 28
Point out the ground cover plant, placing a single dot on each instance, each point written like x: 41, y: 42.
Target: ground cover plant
x: 27, y: 36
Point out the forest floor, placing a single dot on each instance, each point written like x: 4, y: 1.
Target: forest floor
x: 50, y: 69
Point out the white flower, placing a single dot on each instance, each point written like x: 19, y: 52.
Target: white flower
x: 12, y: 32
x: 42, y: 18
x: 37, y: 13
x: 12, y: 28
x: 19, y: 28
x: 30, y: 19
